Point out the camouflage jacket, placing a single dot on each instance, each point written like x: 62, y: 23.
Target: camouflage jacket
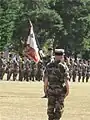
x: 57, y: 73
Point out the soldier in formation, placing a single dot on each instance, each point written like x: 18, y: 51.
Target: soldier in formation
x: 2, y: 66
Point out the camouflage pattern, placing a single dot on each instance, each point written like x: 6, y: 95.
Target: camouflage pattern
x: 88, y: 71
x: 84, y: 70
x: 33, y: 71
x: 75, y: 71
x: 27, y: 70
x: 21, y: 70
x: 15, y: 70
x: 71, y: 69
x: 1, y: 68
x: 57, y: 74
x: 79, y: 71
x: 40, y: 69
x: 9, y: 69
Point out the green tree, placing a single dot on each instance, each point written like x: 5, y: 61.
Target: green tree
x: 8, y: 13
x: 75, y: 16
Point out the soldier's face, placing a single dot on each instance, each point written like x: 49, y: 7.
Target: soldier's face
x: 59, y: 57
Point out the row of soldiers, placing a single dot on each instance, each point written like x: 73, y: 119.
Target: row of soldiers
x: 79, y: 70
x: 25, y: 69
x: 20, y: 69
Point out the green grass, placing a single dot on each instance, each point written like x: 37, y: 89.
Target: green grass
x: 22, y: 101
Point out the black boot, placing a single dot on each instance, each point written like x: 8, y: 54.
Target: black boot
x: 45, y: 96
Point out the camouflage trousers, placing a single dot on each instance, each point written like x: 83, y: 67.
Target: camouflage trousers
x: 55, y: 103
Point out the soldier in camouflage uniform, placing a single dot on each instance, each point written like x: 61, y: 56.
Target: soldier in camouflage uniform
x: 88, y: 71
x: 9, y: 69
x: 27, y: 70
x: 21, y: 69
x: 75, y: 71
x: 40, y: 69
x: 48, y: 57
x: 84, y: 70
x: 33, y: 71
x: 71, y: 68
x: 15, y: 69
x: 56, y: 85
x: 1, y: 66
x: 67, y: 61
x: 79, y: 70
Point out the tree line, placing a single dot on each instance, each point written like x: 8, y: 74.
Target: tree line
x: 57, y: 23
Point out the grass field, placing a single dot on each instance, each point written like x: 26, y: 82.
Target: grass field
x: 22, y: 101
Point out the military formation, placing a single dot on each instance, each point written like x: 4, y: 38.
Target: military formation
x: 55, y: 70
x: 20, y: 68
x: 79, y: 70
x: 23, y: 69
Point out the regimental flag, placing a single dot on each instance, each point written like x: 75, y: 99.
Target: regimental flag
x: 31, y: 50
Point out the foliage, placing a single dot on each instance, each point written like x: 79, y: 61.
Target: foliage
x: 8, y: 14
x: 66, y: 23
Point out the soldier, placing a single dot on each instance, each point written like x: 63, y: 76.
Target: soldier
x: 9, y: 69
x: 40, y: 69
x: 71, y: 68
x: 21, y: 69
x: 56, y: 85
x: 27, y: 70
x: 11, y: 65
x: 33, y: 71
x: 1, y: 66
x: 15, y: 69
x: 68, y: 65
x: 48, y: 57
x: 84, y: 70
x: 79, y: 70
x: 88, y: 71
x: 75, y: 71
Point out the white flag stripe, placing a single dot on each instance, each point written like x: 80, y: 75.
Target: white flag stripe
x: 31, y: 40
x: 33, y: 48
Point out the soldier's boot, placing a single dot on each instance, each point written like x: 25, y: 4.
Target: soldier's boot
x: 74, y: 78
x: 45, y: 96
x: 27, y: 79
x: 87, y: 78
x: 79, y: 78
x: 14, y: 77
x: 33, y: 79
x: 50, y: 118
x: 83, y: 79
x: 8, y: 76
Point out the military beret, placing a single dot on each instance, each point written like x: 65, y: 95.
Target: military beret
x: 59, y: 52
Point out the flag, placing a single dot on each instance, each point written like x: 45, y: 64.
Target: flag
x: 31, y: 50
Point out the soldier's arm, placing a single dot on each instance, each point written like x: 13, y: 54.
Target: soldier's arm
x: 45, y: 84
x: 67, y: 87
x: 45, y: 79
